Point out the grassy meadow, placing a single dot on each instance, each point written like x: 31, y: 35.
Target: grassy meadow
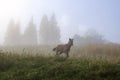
x: 90, y: 62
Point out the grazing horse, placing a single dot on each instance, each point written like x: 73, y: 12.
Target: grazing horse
x: 64, y: 48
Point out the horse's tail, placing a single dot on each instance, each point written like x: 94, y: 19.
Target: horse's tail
x: 54, y: 49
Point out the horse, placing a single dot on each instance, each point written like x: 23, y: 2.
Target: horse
x: 64, y: 48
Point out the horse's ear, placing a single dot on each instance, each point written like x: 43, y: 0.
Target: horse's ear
x: 69, y: 38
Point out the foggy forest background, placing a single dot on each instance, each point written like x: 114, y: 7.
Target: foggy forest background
x: 48, y: 33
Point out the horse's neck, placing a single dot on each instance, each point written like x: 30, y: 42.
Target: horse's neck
x: 68, y: 44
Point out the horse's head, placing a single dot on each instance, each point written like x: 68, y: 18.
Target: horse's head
x: 71, y: 41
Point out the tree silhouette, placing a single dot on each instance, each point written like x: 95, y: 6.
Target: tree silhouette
x: 43, y: 32
x: 90, y: 37
x: 9, y: 37
x: 54, y: 31
x: 49, y: 30
x: 17, y: 35
x: 30, y: 34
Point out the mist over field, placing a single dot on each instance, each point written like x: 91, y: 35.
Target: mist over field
x: 71, y: 18
x: 59, y: 40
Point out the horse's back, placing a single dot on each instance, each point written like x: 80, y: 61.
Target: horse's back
x: 62, y: 47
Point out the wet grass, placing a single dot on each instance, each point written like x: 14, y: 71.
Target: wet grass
x: 83, y: 64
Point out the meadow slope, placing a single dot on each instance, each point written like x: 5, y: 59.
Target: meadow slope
x: 93, y: 62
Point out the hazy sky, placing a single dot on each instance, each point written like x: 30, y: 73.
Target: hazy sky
x: 73, y: 16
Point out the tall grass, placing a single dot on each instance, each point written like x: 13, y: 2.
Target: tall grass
x: 104, y: 51
x: 91, y: 62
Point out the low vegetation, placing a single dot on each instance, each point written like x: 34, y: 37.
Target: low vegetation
x: 93, y: 62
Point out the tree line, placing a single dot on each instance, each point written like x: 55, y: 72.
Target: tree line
x: 49, y: 33
x: 90, y: 37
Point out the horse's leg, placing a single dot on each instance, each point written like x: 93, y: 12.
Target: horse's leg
x: 67, y: 54
x: 60, y: 52
x: 56, y: 52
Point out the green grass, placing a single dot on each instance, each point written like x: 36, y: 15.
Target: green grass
x: 93, y: 62
x: 28, y: 67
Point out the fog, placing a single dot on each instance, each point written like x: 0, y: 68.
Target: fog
x: 23, y: 22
